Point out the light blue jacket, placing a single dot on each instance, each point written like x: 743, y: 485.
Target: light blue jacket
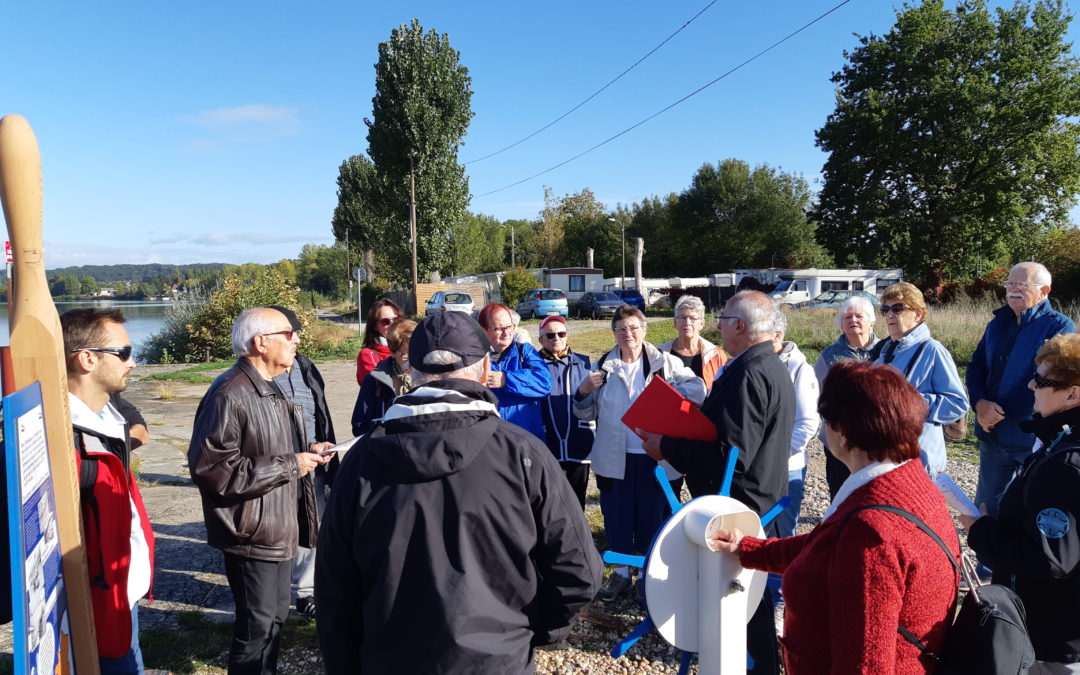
x: 528, y: 382
x: 935, y: 376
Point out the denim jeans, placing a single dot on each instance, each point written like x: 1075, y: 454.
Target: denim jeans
x: 997, y: 464
x: 130, y: 663
x: 789, y: 517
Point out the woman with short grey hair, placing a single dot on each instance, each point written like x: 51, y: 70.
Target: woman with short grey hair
x: 856, y: 318
x: 696, y: 353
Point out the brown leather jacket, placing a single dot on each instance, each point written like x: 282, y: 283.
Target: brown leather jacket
x: 242, y: 458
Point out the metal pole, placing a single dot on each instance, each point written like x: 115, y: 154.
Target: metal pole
x: 622, y: 281
x: 513, y: 246
x: 412, y: 229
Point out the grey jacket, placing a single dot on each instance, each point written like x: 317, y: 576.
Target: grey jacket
x: 242, y: 457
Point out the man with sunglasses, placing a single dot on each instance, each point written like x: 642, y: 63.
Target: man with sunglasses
x: 119, y: 541
x: 998, y: 375
x: 250, y: 458
x: 569, y: 438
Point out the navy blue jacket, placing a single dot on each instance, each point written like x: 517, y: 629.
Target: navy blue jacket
x: 1003, y: 363
x: 376, y: 395
x: 568, y: 438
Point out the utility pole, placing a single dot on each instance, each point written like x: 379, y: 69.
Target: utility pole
x: 412, y: 227
x: 622, y: 226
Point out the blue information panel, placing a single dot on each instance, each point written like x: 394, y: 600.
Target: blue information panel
x: 42, y: 629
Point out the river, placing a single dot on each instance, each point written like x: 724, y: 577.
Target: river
x: 143, y: 318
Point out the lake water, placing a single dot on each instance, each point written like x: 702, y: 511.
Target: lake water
x: 143, y: 318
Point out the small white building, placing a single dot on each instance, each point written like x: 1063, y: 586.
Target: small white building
x: 574, y: 281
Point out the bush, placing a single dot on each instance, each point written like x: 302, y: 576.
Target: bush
x: 514, y: 285
x: 200, y: 326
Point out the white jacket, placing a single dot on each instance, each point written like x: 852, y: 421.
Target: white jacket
x: 807, y: 419
x: 608, y: 403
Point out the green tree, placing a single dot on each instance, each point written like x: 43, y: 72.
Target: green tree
x: 953, y: 139
x: 734, y: 216
x: 88, y: 285
x: 421, y: 111
x: 322, y: 269
x: 65, y: 284
x: 477, y: 243
x: 1061, y: 255
x: 514, y: 285
x: 586, y: 225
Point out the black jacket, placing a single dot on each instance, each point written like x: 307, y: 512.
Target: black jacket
x: 324, y: 425
x: 752, y: 404
x: 570, y: 439
x: 1033, y: 545
x: 452, y: 543
x: 375, y: 396
x: 242, y: 458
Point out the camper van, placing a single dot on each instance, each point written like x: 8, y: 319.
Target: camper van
x: 802, y: 285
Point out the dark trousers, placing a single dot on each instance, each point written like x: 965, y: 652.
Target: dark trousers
x: 260, y: 589
x: 836, y: 472
x: 634, y: 507
x: 577, y: 474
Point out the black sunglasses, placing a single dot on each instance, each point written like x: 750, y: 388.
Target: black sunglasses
x: 122, y: 353
x: 897, y: 308
x: 551, y: 336
x: 1044, y: 382
x: 287, y: 333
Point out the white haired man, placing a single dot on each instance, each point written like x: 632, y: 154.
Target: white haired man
x: 451, y: 542
x: 998, y: 376
x: 752, y: 404
x: 249, y: 458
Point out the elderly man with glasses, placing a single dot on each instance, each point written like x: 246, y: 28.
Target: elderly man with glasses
x: 250, y: 458
x: 998, y: 375
x: 119, y: 541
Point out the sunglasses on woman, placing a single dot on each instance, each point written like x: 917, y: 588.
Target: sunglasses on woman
x: 1044, y: 382
x: 386, y: 322
x: 897, y: 308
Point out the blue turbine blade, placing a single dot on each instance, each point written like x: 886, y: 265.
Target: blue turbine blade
x: 684, y: 663
x: 630, y: 640
x: 616, y: 558
x: 749, y: 661
x: 729, y: 472
x: 665, y: 485
x: 775, y: 511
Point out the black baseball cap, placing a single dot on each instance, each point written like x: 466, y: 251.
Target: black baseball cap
x: 290, y: 315
x: 455, y: 332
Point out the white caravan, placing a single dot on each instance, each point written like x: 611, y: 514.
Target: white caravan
x: 802, y: 285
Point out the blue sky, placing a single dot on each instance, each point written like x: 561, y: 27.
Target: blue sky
x: 213, y: 131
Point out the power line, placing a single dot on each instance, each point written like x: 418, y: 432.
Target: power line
x: 598, y: 91
x: 669, y: 107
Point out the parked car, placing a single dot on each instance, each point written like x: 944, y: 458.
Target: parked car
x: 449, y: 301
x: 631, y: 297
x: 542, y: 302
x: 593, y: 305
x: 834, y: 299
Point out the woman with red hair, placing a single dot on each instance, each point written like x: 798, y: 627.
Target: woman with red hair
x: 861, y: 575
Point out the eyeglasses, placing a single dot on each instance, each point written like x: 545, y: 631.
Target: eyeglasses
x: 552, y: 336
x: 386, y: 322
x: 721, y: 317
x: 501, y: 329
x: 896, y: 309
x: 122, y: 353
x: 1044, y: 382
x: 1021, y: 284
x: 628, y: 329
x: 287, y: 333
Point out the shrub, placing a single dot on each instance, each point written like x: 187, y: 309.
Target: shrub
x: 514, y: 285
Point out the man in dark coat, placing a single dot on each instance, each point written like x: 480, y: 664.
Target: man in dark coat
x: 451, y: 542
x: 752, y: 404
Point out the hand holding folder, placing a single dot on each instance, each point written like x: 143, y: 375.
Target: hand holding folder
x: 662, y: 410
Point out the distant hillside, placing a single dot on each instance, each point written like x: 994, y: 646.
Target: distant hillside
x: 133, y: 273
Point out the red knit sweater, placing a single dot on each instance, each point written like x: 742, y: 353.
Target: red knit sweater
x: 368, y: 358
x: 846, y: 592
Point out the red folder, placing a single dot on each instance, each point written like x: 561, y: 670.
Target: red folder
x: 662, y: 410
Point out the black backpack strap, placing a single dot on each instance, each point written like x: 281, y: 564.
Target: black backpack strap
x: 907, y: 515
x: 88, y: 471
x: 911, y: 364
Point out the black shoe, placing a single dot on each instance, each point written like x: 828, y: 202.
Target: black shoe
x: 616, y: 585
x: 306, y: 607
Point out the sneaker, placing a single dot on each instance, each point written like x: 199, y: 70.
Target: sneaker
x: 306, y: 607
x: 616, y: 585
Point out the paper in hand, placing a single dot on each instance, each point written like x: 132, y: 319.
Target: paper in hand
x: 955, y: 497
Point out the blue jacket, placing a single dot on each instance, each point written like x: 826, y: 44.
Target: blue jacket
x: 1004, y: 362
x: 527, y: 383
x: 569, y: 438
x: 934, y: 375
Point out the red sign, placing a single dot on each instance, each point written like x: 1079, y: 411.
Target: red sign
x: 7, y: 251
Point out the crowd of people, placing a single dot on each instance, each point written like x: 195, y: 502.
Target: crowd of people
x: 450, y: 535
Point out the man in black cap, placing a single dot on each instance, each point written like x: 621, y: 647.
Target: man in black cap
x: 451, y: 542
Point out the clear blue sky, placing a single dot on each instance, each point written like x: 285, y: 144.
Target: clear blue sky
x: 213, y: 131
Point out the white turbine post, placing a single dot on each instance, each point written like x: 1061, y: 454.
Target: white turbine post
x: 701, y: 599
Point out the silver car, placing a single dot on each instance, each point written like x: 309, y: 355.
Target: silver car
x: 449, y: 301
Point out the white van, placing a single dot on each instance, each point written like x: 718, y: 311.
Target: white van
x: 801, y: 285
